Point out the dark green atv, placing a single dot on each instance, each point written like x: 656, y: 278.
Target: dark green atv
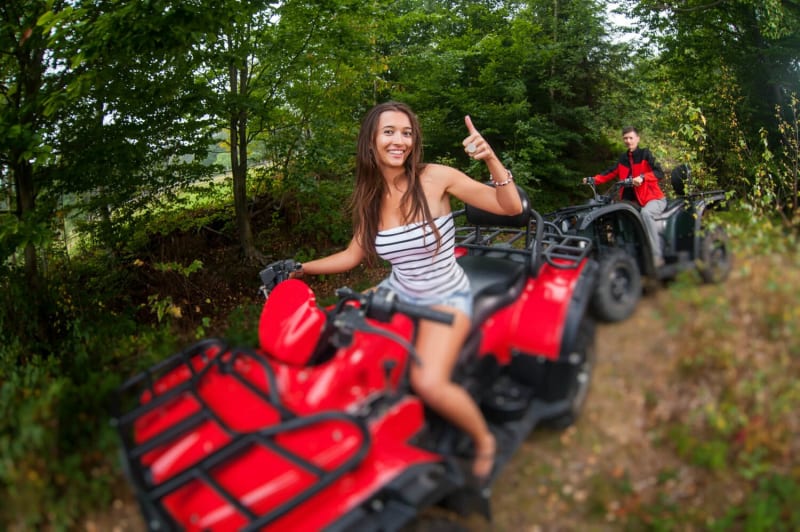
x: 621, y: 246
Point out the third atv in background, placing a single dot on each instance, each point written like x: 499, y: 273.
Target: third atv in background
x: 624, y: 252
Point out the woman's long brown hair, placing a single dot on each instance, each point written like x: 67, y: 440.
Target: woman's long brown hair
x: 370, y: 186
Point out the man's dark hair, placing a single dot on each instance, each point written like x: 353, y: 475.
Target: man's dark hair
x: 628, y: 129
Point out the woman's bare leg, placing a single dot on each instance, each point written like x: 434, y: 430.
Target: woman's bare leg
x: 438, y: 346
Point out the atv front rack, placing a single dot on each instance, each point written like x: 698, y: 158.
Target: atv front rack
x: 190, y: 444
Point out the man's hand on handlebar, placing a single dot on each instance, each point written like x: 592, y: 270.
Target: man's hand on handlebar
x: 588, y: 180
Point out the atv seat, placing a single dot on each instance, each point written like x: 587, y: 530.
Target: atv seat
x: 496, y: 270
x: 491, y: 275
x: 494, y: 283
x: 673, y: 206
x: 680, y: 176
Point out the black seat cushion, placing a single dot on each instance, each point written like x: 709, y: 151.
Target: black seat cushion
x: 477, y: 216
x: 489, y: 275
x: 680, y: 177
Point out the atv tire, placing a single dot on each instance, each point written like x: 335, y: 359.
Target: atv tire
x: 576, y: 376
x: 714, y: 262
x: 618, y: 289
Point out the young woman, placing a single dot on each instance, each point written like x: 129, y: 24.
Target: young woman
x: 401, y: 213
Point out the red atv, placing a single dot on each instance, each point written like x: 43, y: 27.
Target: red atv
x: 317, y: 429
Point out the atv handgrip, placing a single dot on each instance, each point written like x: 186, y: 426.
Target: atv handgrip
x: 276, y: 273
x: 425, y: 313
x: 383, y: 303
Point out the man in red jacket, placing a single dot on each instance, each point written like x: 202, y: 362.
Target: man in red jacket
x: 640, y: 164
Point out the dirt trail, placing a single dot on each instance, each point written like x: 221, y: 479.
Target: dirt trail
x: 559, y: 481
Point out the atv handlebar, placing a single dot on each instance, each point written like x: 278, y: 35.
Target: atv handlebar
x: 381, y: 304
x: 611, y: 193
x: 276, y: 273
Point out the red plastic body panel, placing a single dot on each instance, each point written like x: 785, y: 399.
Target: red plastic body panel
x: 259, y: 474
x: 290, y: 317
x: 262, y: 480
x: 359, y: 368
x: 534, y: 324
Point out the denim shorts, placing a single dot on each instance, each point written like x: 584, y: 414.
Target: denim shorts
x: 461, y: 300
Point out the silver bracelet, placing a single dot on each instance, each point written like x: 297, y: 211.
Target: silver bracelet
x: 504, y: 183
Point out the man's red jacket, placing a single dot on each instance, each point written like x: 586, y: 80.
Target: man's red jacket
x: 639, y: 162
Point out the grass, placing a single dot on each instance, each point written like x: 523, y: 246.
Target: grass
x: 738, y: 370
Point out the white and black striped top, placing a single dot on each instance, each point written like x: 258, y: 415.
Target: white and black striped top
x: 417, y: 269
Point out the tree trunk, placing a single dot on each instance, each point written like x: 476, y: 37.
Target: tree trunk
x: 25, y: 104
x: 26, y: 203
x: 238, y: 141
x: 551, y: 91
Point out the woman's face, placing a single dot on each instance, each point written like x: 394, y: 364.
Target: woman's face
x: 394, y: 139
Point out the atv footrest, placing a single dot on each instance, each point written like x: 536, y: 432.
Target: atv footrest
x: 400, y: 501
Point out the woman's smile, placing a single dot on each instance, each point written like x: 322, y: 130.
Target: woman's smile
x: 394, y: 139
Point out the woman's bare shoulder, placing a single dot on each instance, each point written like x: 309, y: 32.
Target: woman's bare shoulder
x: 440, y: 172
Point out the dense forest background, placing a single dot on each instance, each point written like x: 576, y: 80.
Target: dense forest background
x: 127, y: 127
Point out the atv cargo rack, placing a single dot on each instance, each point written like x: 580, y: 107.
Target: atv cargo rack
x: 221, y: 445
x: 520, y: 239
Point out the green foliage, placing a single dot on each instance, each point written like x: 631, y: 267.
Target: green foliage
x: 530, y: 76
x: 313, y: 211
x: 57, y: 449
x: 788, y: 163
x: 733, y: 62
x: 771, y: 506
x: 242, y: 326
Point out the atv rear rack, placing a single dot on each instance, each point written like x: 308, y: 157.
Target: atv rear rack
x: 536, y: 243
x: 227, y: 451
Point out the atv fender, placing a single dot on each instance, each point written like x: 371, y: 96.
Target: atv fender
x: 290, y: 323
x: 619, y: 208
x: 542, y: 319
x: 707, y: 200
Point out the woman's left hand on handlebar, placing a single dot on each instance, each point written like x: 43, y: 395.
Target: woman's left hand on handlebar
x: 297, y: 273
